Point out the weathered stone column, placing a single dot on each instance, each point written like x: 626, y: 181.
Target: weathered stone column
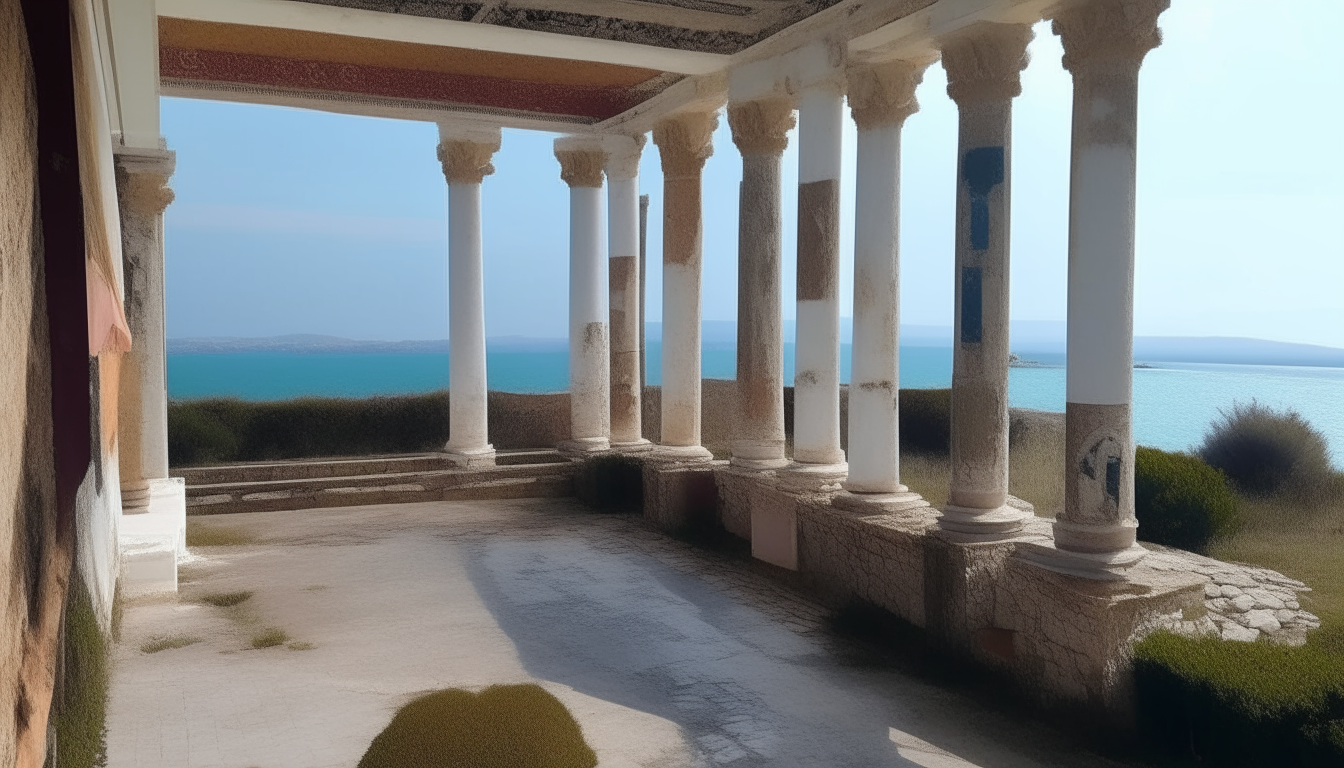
x: 626, y: 295
x: 761, y: 133
x: 817, y: 457
x: 684, y: 142
x: 465, y: 156
x: 1105, y: 42
x: 881, y: 97
x: 142, y: 407
x: 984, y: 65
x: 582, y: 160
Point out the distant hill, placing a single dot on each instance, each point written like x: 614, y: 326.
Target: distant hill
x: 1044, y: 340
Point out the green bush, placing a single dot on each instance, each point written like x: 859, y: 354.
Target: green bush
x: 1241, y: 704
x: 1180, y: 501
x: 1264, y: 451
x: 221, y: 430
x: 503, y: 726
x: 926, y: 420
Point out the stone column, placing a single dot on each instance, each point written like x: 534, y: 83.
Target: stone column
x: 1105, y: 42
x: 760, y: 131
x: 582, y: 160
x: 684, y: 142
x: 466, y: 162
x: 818, y: 459
x: 881, y: 97
x: 142, y: 407
x: 984, y: 65
x: 623, y: 227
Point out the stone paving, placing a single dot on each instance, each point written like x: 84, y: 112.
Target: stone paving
x: 667, y: 655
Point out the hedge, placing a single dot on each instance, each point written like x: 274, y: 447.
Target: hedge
x: 1241, y: 704
x: 1180, y: 501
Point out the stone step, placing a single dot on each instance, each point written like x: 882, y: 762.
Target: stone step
x: 434, y: 479
x: 347, y: 492
x: 306, y: 469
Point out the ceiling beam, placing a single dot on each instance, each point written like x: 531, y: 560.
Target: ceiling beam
x: 314, y: 17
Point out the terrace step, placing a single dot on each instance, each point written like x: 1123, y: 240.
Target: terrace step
x: 301, y: 469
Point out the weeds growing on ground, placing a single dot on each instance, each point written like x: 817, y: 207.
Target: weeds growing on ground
x: 79, y: 704
x: 167, y: 643
x: 226, y: 599
x: 270, y: 637
x: 206, y: 535
x: 300, y: 646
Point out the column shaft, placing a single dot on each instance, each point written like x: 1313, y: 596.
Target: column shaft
x: 589, y: 388
x: 983, y: 65
x: 684, y: 143
x: 625, y: 296
x: 142, y: 177
x: 466, y: 163
x: 816, y: 419
x: 760, y: 130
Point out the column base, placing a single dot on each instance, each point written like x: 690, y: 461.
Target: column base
x: 154, y: 540
x: 813, y: 478
x: 757, y: 465
x: 691, y: 453
x: 471, y: 458
x: 1099, y: 566
x: 583, y: 446
x: 639, y: 446
x: 902, y: 502
x: 135, y: 497
x: 999, y: 523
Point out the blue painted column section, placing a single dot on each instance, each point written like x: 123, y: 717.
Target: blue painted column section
x: 983, y: 65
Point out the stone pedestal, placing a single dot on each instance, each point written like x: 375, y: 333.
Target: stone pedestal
x: 153, y: 541
x: 678, y: 495
x: 465, y: 155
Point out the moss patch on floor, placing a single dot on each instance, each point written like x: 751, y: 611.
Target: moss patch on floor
x: 226, y: 599
x: 157, y: 644
x: 204, y: 535
x: 79, y: 713
x: 503, y: 726
x: 270, y: 637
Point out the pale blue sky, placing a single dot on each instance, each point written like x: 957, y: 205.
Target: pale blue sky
x: 288, y: 221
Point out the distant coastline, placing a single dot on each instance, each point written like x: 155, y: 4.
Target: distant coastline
x: 1035, y: 345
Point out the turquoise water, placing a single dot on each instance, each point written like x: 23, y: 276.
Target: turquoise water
x: 1173, y: 403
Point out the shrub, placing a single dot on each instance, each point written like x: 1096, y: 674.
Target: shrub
x: 926, y: 420
x: 503, y: 726
x: 1264, y: 451
x: 1241, y: 704
x: 1180, y: 501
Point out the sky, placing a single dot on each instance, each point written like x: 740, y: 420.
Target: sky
x: 293, y: 221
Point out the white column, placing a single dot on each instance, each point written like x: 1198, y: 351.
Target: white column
x: 465, y: 156
x: 143, y: 192
x: 582, y: 160
x: 626, y: 299
x: 684, y: 142
x: 984, y: 64
x: 761, y: 132
x: 881, y: 98
x: 1104, y: 45
x: 816, y: 383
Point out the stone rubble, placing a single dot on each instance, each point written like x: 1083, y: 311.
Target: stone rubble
x: 1244, y: 602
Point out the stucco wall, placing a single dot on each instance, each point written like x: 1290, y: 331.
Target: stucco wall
x: 27, y: 471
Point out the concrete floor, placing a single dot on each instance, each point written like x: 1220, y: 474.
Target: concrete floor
x: 665, y: 654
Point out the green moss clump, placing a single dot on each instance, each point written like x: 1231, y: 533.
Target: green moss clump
x: 157, y: 644
x: 1180, y: 501
x: 80, y: 703
x: 270, y: 637
x: 503, y: 726
x: 1241, y: 704
x: 202, y: 535
x: 226, y: 599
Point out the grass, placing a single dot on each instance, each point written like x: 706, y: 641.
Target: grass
x: 226, y: 599
x: 270, y: 637
x: 157, y: 644
x: 300, y: 646
x: 79, y: 706
x: 1035, y: 472
x: 204, y: 535
x: 503, y: 726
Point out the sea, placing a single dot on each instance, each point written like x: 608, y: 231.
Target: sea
x: 1174, y: 403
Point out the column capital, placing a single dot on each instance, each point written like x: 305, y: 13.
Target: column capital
x: 761, y: 126
x: 1108, y: 31
x: 884, y: 94
x: 142, y: 179
x: 685, y: 141
x: 984, y: 62
x: 582, y: 160
x: 623, y: 155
